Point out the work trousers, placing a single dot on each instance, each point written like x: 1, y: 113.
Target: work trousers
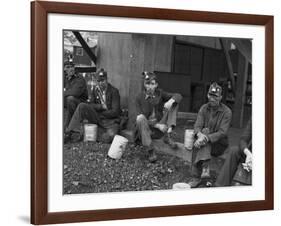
x: 107, y: 128
x: 203, y: 155
x: 230, y: 166
x: 70, y: 104
x: 145, y: 131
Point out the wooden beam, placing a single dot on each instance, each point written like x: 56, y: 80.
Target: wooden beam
x: 187, y: 115
x: 223, y: 43
x: 244, y: 46
x: 180, y: 152
x: 238, y: 110
x: 85, y: 46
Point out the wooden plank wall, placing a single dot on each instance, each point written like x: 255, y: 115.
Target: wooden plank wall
x: 135, y: 81
x: 114, y: 55
x: 126, y: 56
x: 203, y: 64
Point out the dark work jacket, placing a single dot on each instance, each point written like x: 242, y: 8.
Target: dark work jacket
x: 145, y: 106
x: 217, y: 125
x: 76, y: 87
x: 246, y: 138
x: 112, y: 102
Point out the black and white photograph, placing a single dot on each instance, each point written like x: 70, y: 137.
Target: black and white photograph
x: 140, y: 112
x: 144, y: 112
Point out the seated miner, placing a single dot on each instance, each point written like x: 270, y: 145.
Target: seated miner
x: 75, y: 91
x: 238, y: 163
x: 210, y: 129
x: 103, y: 110
x: 156, y: 114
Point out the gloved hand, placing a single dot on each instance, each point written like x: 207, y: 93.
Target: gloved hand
x: 200, y: 142
x: 249, y: 159
x: 202, y: 137
x: 168, y: 105
x: 140, y: 116
x: 197, y: 144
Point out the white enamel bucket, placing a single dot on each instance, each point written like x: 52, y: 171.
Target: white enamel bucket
x: 189, y: 139
x: 181, y: 186
x: 117, y: 147
x: 90, y: 132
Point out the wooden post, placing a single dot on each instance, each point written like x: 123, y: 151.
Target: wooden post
x: 229, y: 63
x: 180, y: 151
x: 244, y: 46
x: 238, y: 110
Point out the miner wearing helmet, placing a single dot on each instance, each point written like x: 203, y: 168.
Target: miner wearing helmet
x: 156, y: 114
x: 75, y: 91
x: 103, y: 110
x: 210, y: 131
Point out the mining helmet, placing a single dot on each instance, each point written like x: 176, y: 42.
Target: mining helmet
x: 69, y: 63
x: 149, y: 76
x: 101, y: 74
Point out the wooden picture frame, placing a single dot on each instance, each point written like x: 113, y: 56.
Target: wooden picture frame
x: 39, y: 112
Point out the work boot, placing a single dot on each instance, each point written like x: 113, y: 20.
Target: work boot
x: 196, y: 170
x: 169, y: 140
x: 106, y: 138
x: 194, y: 182
x: 236, y: 184
x: 67, y: 137
x: 77, y: 137
x: 205, y: 171
x: 151, y: 155
x: 72, y: 136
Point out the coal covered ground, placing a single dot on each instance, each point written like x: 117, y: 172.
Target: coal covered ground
x: 88, y: 169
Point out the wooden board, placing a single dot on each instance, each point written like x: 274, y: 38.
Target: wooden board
x: 180, y: 152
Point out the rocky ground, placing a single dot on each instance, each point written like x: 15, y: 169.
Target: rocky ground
x: 87, y: 169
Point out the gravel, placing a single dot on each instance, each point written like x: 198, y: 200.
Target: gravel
x: 88, y: 169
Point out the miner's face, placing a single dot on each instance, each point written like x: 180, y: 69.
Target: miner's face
x: 214, y: 101
x: 150, y: 86
x: 69, y: 71
x: 102, y: 82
